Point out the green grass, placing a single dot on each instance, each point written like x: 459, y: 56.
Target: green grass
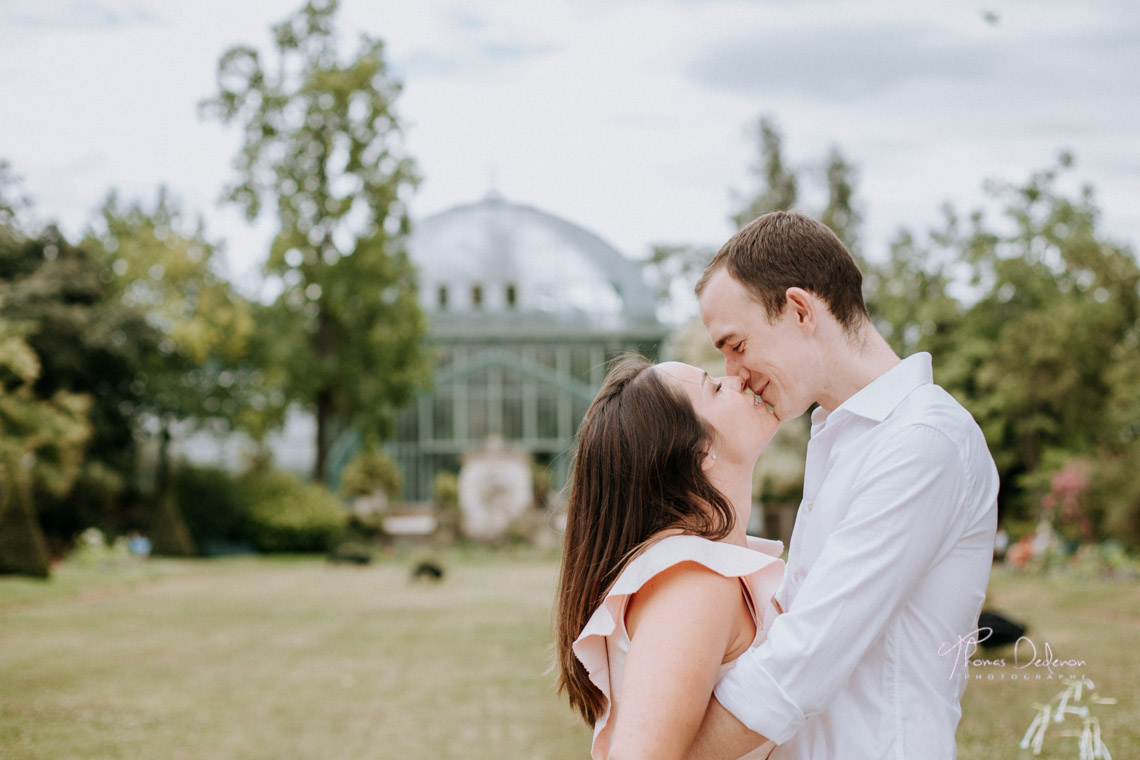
x: 1094, y: 620
x: 294, y: 658
x: 255, y: 658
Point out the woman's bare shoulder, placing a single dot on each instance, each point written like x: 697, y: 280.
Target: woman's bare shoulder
x: 690, y: 590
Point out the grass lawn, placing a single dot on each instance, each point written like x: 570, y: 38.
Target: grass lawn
x: 1093, y: 621
x: 295, y: 658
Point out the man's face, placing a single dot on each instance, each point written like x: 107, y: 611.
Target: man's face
x: 771, y: 358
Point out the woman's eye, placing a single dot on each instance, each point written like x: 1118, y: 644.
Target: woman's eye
x: 737, y: 347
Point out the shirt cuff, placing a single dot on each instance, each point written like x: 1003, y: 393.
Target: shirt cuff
x: 750, y: 693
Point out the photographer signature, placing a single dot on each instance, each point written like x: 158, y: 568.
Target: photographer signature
x: 1025, y: 654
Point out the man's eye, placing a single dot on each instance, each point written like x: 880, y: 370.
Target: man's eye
x: 717, y: 386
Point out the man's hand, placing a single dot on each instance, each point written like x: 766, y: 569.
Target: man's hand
x: 722, y: 736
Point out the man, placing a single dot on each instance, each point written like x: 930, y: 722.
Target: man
x: 893, y: 542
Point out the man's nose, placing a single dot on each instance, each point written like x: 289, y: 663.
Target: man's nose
x: 734, y: 368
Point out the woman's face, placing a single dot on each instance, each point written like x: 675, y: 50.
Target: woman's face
x: 742, y: 423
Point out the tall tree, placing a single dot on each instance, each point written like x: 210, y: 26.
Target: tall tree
x: 1115, y: 477
x: 841, y: 213
x: 778, y: 186
x: 156, y: 264
x: 673, y: 269
x: 41, y: 445
x: 322, y: 141
x: 908, y: 295
x: 14, y: 205
x: 85, y: 344
x: 1035, y: 355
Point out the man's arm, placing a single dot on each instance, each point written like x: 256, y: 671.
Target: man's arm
x: 903, y: 506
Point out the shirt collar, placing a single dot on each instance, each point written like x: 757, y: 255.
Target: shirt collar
x: 878, y: 398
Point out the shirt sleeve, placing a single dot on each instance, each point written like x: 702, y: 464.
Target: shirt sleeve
x: 903, y: 507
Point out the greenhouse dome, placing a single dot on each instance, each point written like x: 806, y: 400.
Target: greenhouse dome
x: 525, y: 309
x: 492, y: 261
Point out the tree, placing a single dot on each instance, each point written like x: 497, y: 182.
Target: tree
x: 1035, y: 356
x: 676, y: 267
x: 778, y: 185
x: 1115, y: 483
x: 154, y: 265
x: 840, y: 213
x: 321, y: 139
x: 14, y: 205
x: 673, y: 269
x: 908, y: 295
x: 41, y: 444
x: 86, y: 344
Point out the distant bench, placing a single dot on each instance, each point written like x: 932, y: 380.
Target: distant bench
x: 418, y: 524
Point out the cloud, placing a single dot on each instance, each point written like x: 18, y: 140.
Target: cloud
x: 845, y: 62
x: 478, y: 58
x: 462, y: 43
x: 74, y: 15
x: 466, y: 18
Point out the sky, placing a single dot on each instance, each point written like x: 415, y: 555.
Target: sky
x: 632, y: 118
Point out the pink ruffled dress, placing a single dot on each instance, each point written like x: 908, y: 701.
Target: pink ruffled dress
x: 604, y: 642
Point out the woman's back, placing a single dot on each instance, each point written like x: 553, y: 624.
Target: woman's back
x: 605, y: 643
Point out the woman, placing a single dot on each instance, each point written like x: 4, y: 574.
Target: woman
x: 660, y: 590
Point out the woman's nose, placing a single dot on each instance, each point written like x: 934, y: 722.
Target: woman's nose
x: 732, y: 382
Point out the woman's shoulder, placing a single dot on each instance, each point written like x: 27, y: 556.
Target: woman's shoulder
x: 758, y: 566
x: 728, y: 560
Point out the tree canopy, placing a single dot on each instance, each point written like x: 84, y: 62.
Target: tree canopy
x: 321, y: 141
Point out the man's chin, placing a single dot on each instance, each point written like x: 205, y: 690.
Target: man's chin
x: 784, y: 414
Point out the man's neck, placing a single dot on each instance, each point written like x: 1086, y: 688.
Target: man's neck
x: 854, y: 363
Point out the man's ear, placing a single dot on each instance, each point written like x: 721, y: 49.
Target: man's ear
x: 803, y: 307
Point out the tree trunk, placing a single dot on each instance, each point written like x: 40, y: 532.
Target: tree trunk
x: 324, y: 433
x: 23, y: 549
x: 322, y: 347
x: 169, y: 533
x: 162, y: 469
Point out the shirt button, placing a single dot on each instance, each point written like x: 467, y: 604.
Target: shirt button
x: 808, y: 505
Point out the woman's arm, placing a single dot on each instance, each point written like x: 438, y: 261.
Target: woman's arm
x: 722, y: 736
x: 681, y: 625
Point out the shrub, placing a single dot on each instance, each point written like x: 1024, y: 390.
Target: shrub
x: 445, y: 490
x: 1115, y: 487
x: 265, y: 509
x: 289, y: 515
x: 92, y: 550
x: 213, y: 505
x: 370, y: 472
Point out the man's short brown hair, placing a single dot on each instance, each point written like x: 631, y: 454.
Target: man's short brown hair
x: 785, y: 249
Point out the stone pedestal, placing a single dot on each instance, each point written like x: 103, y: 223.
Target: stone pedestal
x: 495, y: 488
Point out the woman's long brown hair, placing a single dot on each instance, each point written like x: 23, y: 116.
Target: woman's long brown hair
x: 637, y: 472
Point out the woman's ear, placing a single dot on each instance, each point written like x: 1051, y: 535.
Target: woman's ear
x: 708, y: 461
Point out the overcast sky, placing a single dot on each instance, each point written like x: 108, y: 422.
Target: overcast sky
x: 630, y: 118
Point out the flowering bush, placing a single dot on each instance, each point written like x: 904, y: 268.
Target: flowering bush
x: 1064, y: 505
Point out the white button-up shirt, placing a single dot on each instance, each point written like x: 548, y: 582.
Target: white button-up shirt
x: 887, y: 570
